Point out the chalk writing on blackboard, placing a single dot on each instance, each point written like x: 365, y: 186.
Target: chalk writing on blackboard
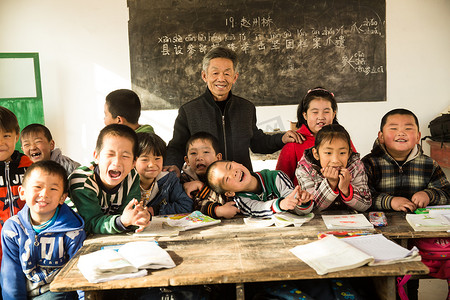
x: 283, y: 52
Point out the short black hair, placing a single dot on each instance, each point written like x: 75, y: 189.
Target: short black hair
x: 215, y: 186
x: 51, y: 167
x: 315, y: 93
x: 398, y: 111
x: 206, y: 136
x: 220, y: 52
x: 150, y: 142
x: 330, y: 132
x: 118, y: 130
x: 124, y: 103
x: 8, y: 121
x: 36, y: 128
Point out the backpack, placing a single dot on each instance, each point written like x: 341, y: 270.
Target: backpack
x: 440, y: 128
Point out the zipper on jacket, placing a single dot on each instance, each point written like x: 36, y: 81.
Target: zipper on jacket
x: 9, y: 190
x: 224, y: 137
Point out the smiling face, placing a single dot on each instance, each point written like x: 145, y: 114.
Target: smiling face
x: 8, y: 142
x: 43, y: 193
x: 36, y: 146
x: 319, y: 114
x: 115, y: 159
x: 233, y: 177
x: 200, y: 155
x: 149, y: 166
x: 220, y: 77
x: 334, y: 153
x: 400, y: 135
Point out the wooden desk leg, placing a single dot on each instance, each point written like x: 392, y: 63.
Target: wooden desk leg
x: 93, y: 295
x: 240, y: 294
x: 385, y: 287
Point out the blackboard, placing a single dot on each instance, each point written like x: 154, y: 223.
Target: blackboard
x: 285, y: 47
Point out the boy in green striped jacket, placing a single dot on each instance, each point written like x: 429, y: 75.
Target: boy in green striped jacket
x: 106, y: 193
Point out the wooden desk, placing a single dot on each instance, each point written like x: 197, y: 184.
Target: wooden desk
x: 232, y: 253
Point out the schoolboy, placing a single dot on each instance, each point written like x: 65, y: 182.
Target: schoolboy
x: 42, y: 237
x: 106, y: 193
x: 400, y: 176
x: 202, y: 149
x: 161, y: 191
x: 13, y: 165
x: 38, y: 145
x: 124, y: 107
x: 258, y: 194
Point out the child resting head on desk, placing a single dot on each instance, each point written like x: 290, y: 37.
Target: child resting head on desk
x: 258, y: 194
x: 161, y: 191
x: 202, y: 149
x: 106, y: 193
x: 401, y: 177
x: 42, y: 237
x: 333, y: 173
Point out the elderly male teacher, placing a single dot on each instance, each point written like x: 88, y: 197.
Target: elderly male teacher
x: 228, y: 117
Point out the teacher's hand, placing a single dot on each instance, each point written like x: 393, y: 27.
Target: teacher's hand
x: 292, y: 136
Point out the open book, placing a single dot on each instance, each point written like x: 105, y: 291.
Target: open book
x: 432, y: 221
x: 130, y: 260
x: 331, y: 254
x: 353, y: 221
x: 171, y: 225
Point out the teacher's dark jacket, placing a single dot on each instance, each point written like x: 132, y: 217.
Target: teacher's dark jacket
x: 236, y: 129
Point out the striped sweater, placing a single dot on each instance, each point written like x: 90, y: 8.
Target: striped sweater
x: 275, y: 186
x: 100, y: 208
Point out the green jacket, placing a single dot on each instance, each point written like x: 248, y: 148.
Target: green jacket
x: 101, y: 209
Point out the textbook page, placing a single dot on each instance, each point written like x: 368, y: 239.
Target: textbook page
x: 382, y: 249
x: 331, y: 254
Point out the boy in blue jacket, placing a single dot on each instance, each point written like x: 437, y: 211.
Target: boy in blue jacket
x: 42, y: 237
x: 161, y: 192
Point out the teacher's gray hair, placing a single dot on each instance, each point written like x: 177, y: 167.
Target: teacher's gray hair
x: 220, y: 52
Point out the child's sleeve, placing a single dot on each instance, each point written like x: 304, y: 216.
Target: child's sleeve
x: 438, y: 188
x: 207, y: 200
x: 89, y: 208
x: 359, y: 198
x: 178, y: 202
x: 380, y: 201
x: 287, y: 160
x: 73, y: 241
x: 311, y: 181
x: 285, y: 188
x: 13, y: 279
x: 257, y: 208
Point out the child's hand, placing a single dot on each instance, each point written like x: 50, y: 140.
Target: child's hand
x: 227, y: 211
x: 402, y: 204
x: 291, y: 200
x: 332, y: 175
x: 344, y: 181
x: 420, y: 199
x: 192, y: 186
x: 135, y: 213
x: 303, y: 196
x: 150, y: 210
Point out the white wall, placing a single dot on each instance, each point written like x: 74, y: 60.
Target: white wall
x: 83, y: 48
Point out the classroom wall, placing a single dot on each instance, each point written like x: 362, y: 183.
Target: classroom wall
x: 83, y: 49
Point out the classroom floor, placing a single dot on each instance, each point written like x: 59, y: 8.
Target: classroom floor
x: 433, y: 289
